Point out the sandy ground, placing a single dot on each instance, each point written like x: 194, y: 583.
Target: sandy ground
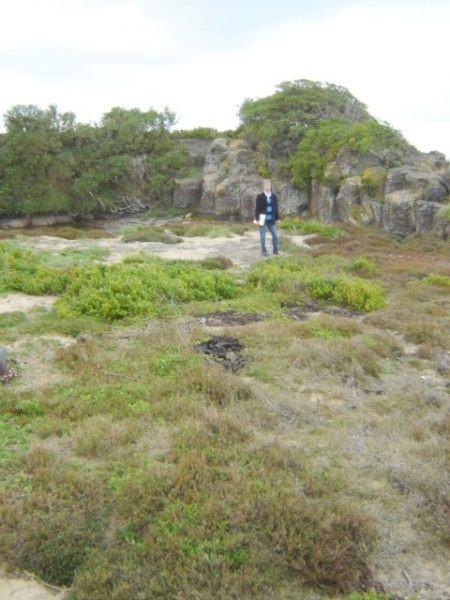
x: 14, y: 588
x: 242, y: 250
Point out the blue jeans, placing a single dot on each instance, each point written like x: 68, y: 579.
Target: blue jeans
x: 262, y: 236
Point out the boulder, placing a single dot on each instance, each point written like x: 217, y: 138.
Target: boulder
x: 187, y: 192
x: 401, y: 200
x: 399, y: 215
x: 426, y: 215
x: 323, y: 202
x: 413, y: 196
x: 365, y: 188
x: 3, y: 361
x: 231, y: 183
x: 351, y: 162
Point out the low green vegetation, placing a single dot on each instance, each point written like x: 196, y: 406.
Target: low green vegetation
x: 436, y: 279
x: 320, y: 280
x: 296, y: 225
x: 141, y: 288
x: 147, y: 469
x: 150, y: 234
x: 321, y: 143
x: 372, y: 594
x: 146, y: 285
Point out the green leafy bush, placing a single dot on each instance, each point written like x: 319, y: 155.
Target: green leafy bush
x: 150, y: 234
x: 436, y: 279
x: 297, y: 225
x: 321, y: 143
x: 115, y: 291
x: 22, y: 271
x: 362, y: 265
x: 290, y: 277
x: 359, y: 294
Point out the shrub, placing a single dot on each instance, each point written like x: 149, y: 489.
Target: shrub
x: 115, y: 291
x: 359, y: 294
x: 435, y: 279
x: 297, y: 225
x: 217, y: 262
x: 151, y: 234
x: 362, y: 265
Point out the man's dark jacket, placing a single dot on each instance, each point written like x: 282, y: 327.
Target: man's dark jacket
x: 261, y: 206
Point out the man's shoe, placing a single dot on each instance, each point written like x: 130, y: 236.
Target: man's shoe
x: 265, y: 254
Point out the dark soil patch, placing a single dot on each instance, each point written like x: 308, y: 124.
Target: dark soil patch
x: 229, y: 317
x: 226, y: 349
x: 299, y: 311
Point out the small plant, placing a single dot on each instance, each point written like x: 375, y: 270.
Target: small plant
x: 150, y: 234
x: 297, y: 225
x: 435, y: 279
x: 359, y: 294
x: 369, y: 595
x: 372, y: 594
x: 217, y: 262
x: 362, y: 265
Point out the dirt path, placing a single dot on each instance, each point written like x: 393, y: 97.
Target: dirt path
x: 242, y: 250
x: 27, y: 588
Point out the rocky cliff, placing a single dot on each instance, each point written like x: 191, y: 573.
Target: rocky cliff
x: 364, y: 188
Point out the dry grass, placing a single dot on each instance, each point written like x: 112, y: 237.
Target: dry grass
x: 319, y: 468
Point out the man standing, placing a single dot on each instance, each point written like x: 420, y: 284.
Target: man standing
x: 266, y: 215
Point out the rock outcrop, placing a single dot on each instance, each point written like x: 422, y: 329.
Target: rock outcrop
x: 3, y: 360
x: 221, y: 178
x: 366, y: 189
x: 230, y: 183
x: 400, y: 195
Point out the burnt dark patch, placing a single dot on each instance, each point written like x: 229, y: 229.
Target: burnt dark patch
x: 224, y: 349
x: 228, y: 317
x: 299, y: 311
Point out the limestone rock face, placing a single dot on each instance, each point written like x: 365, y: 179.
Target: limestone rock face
x: 229, y: 179
x: 187, y: 192
x: 350, y: 161
x: 231, y: 183
x: 365, y: 188
x: 3, y: 360
x: 412, y: 199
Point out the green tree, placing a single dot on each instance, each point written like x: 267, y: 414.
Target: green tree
x: 49, y: 163
x: 321, y: 143
x: 36, y: 161
x: 284, y: 118
x: 129, y: 155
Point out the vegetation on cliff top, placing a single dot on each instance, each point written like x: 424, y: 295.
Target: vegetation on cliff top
x: 128, y: 161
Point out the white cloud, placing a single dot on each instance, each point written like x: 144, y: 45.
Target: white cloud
x: 202, y: 59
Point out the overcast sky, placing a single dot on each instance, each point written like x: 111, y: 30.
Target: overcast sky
x: 202, y: 58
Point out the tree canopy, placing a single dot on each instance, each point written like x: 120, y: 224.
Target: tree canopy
x: 321, y: 143
x: 51, y: 163
x: 283, y: 118
x: 48, y: 162
x: 305, y: 123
